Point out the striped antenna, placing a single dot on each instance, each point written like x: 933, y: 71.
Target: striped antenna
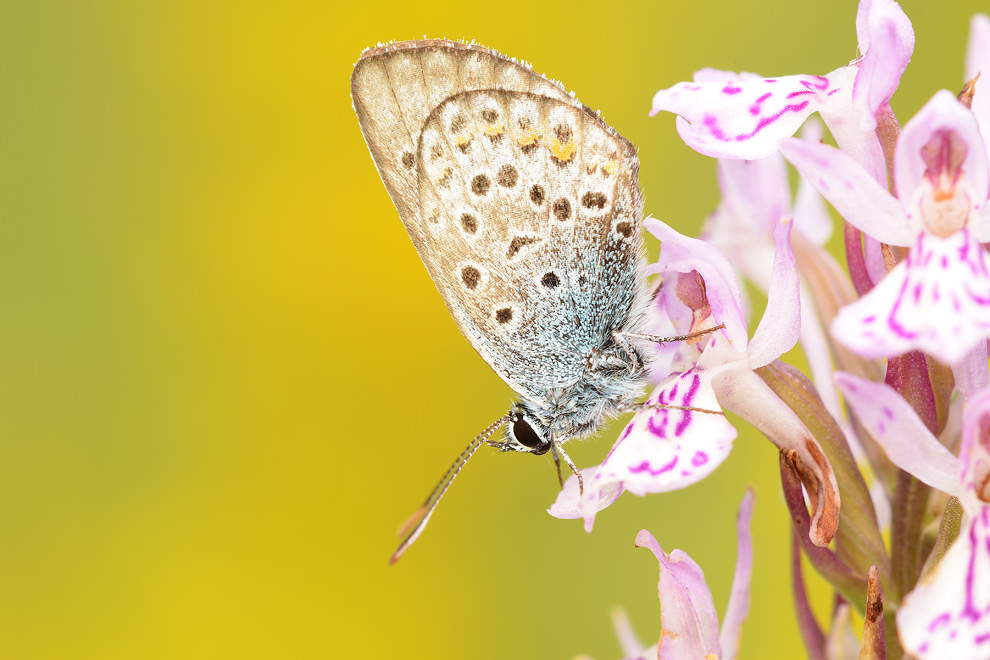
x: 414, y: 526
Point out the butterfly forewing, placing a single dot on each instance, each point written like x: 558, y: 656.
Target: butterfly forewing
x: 394, y: 89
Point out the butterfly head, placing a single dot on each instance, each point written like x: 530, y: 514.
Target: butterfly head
x: 526, y: 432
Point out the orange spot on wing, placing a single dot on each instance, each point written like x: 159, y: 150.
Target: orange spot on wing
x: 610, y: 167
x: 527, y: 138
x: 562, y: 152
x: 491, y: 130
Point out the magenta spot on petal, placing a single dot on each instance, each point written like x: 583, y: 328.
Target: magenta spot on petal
x: 982, y: 639
x: 729, y: 89
x: 892, y: 322
x: 870, y: 319
x: 888, y: 413
x: 793, y: 94
x: 645, y: 467
x: 700, y: 458
x: 881, y: 428
x: 766, y: 121
x: 940, y: 620
x: 923, y: 648
x: 770, y: 80
x: 945, y: 261
x: 755, y: 108
x: 626, y: 433
x: 832, y: 92
x: 917, y: 293
x: 685, y: 473
x: 659, y: 430
x: 852, y: 387
x: 711, y: 123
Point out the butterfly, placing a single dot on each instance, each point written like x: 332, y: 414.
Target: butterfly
x: 526, y: 211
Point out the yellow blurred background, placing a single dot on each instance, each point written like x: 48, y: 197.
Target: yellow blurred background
x: 226, y: 378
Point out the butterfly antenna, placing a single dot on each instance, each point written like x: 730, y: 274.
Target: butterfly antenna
x: 664, y: 340
x: 414, y: 526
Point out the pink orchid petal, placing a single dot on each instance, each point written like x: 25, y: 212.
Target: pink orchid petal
x: 745, y: 117
x: 811, y: 218
x: 873, y: 253
x: 943, y: 113
x: 755, y: 191
x: 936, y: 301
x: 683, y: 255
x: 903, y: 436
x: 738, y: 607
x: 662, y: 449
x: 947, y: 616
x: 629, y: 642
x: 780, y: 326
x: 688, y: 619
x: 852, y: 191
x: 846, y: 119
x: 978, y: 62
x: 886, y: 39
x: 567, y: 506
x: 971, y: 372
x: 974, y: 454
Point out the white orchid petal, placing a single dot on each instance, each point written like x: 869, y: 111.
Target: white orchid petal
x: 947, y: 616
x: 936, y: 301
x: 664, y: 449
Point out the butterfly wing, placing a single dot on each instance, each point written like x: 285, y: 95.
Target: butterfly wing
x: 524, y: 206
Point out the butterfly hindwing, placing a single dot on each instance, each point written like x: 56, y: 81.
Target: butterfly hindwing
x: 521, y: 197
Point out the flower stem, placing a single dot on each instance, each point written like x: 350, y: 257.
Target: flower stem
x: 856, y: 260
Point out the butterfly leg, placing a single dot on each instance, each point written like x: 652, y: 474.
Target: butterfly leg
x: 558, y: 450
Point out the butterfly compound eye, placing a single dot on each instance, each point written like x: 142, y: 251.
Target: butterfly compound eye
x: 527, y: 437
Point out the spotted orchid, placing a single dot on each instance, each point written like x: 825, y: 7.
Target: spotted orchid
x: 689, y: 626
x: 680, y: 436
x: 917, y: 295
x: 729, y: 115
x: 938, y: 299
x: 947, y: 616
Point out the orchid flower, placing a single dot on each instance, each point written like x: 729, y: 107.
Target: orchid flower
x: 728, y: 115
x: 947, y: 616
x: 689, y: 628
x: 680, y: 437
x: 938, y: 299
x: 755, y: 197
